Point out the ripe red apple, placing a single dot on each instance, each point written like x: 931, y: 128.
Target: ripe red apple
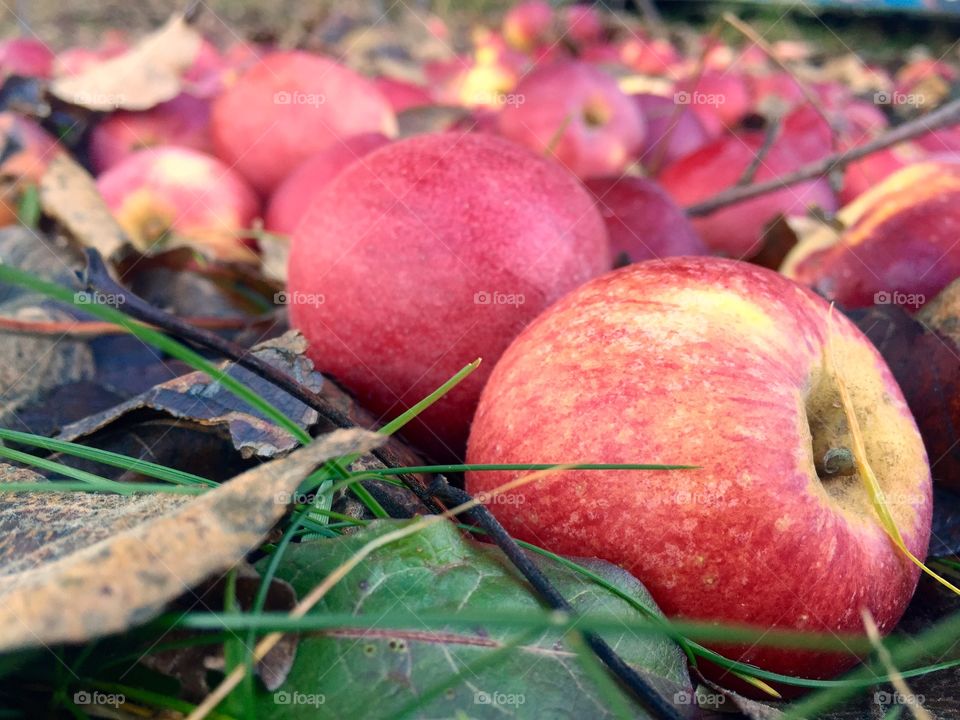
x: 738, y: 230
x: 720, y: 99
x: 176, y: 191
x: 900, y: 243
x: 579, y: 113
x: 289, y: 106
x: 718, y: 364
x: 581, y: 24
x: 182, y: 121
x: 643, y: 222
x: 528, y: 24
x: 292, y: 200
x: 25, y: 56
x: 648, y: 56
x: 402, y: 95
x: 429, y: 253
x: 672, y: 131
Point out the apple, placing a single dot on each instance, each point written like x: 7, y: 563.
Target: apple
x: 182, y: 121
x: 899, y: 245
x: 27, y: 57
x: 873, y: 169
x: 177, y: 191
x: 289, y: 106
x: 722, y: 365
x: 293, y: 198
x: 581, y: 25
x: 402, y: 95
x: 431, y: 252
x: 672, y: 131
x: 528, y: 24
x: 643, y: 222
x: 720, y: 99
x: 648, y: 56
x: 24, y: 163
x: 579, y: 113
x: 739, y: 230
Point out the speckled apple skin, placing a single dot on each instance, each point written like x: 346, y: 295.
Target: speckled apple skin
x: 400, y: 245
x: 643, y: 221
x: 550, y: 116
x: 738, y: 230
x: 904, y: 239
x: 289, y: 106
x: 290, y: 202
x: 705, y: 361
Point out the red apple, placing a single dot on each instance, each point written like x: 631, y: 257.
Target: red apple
x: 720, y: 99
x: 649, y: 56
x: 869, y: 172
x: 899, y: 246
x: 289, y: 106
x: 429, y: 253
x: 183, y: 121
x: 739, y: 230
x: 528, y: 24
x: 672, y: 130
x: 643, y: 222
x: 581, y: 24
x: 293, y: 198
x: 721, y: 365
x: 402, y: 95
x: 579, y: 113
x: 176, y: 191
x: 25, y: 56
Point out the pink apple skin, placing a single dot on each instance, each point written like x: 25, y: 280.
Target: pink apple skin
x: 432, y: 252
x: 649, y: 56
x: 291, y: 201
x: 578, y: 111
x: 869, y: 172
x: 738, y: 230
x: 720, y: 99
x: 402, y: 95
x: 672, y: 132
x: 176, y: 189
x: 581, y: 24
x: 527, y: 24
x: 25, y: 56
x: 183, y: 121
x: 643, y: 221
x: 718, y: 364
x: 289, y: 106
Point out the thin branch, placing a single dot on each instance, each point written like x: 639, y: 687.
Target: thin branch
x: 945, y: 116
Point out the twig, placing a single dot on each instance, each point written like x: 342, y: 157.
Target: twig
x: 482, y: 517
x: 98, y: 279
x: 769, y: 138
x: 945, y: 116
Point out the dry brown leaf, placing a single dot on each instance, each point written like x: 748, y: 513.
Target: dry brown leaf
x: 128, y: 578
x: 69, y: 195
x: 148, y: 74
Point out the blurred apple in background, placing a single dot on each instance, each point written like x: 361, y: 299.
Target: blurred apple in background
x: 900, y: 243
x: 722, y: 365
x: 288, y: 106
x: 739, y: 230
x: 672, y: 130
x: 643, y: 222
x: 171, y: 194
x: 28, y: 57
x: 578, y: 113
x: 429, y: 253
x: 28, y: 151
x: 183, y: 121
x: 719, y: 98
x: 581, y: 25
x: 291, y: 201
x: 528, y: 24
x: 401, y: 94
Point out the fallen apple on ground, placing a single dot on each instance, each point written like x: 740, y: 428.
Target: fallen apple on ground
x: 432, y: 252
x: 173, y: 191
x: 727, y: 367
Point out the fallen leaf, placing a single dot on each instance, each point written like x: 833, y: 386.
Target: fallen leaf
x: 90, y: 590
x: 146, y: 75
x: 438, y: 570
x: 69, y: 195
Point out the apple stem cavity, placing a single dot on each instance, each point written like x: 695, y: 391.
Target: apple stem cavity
x: 838, y: 462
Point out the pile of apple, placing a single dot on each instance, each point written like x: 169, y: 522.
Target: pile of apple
x: 498, y: 238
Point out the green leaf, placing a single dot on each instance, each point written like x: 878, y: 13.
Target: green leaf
x: 480, y: 673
